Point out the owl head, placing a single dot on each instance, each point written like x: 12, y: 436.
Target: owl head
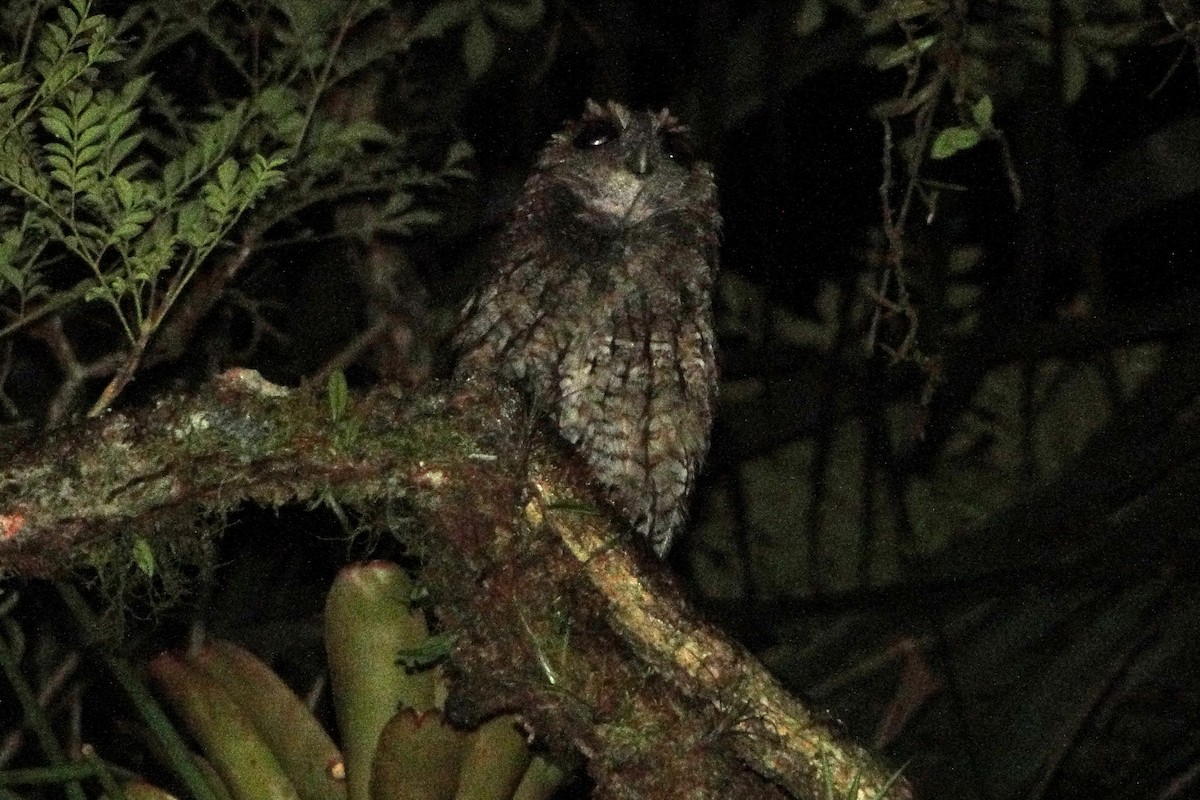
x: 627, y: 167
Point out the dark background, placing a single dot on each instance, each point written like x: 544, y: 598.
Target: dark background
x: 976, y: 546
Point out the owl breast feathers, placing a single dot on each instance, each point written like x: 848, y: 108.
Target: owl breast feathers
x: 599, y: 307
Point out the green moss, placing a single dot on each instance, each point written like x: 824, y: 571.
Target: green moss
x: 142, y: 574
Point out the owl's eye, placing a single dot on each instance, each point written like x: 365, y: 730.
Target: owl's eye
x: 595, y: 132
x: 678, y: 147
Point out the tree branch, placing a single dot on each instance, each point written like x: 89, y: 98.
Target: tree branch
x: 558, y: 617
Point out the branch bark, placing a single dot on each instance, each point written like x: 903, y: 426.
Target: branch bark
x: 558, y: 617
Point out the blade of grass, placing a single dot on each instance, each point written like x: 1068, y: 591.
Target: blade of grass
x: 34, y: 776
x: 35, y: 719
x: 147, y: 707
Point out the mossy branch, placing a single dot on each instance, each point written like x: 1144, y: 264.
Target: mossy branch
x: 559, y: 617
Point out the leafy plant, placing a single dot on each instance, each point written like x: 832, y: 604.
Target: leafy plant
x: 249, y: 735
x: 482, y: 22
x: 115, y: 189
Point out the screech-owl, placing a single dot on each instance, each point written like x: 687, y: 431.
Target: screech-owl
x: 599, y: 307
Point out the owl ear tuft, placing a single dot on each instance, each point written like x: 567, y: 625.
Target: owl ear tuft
x: 620, y: 113
x: 594, y: 109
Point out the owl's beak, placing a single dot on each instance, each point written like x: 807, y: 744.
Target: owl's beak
x: 639, y: 162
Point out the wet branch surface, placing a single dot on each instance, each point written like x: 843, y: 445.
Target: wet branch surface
x: 559, y: 616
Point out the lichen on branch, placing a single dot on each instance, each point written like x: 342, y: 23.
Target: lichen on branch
x: 559, y: 615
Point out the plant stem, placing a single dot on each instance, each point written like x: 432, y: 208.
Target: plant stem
x: 124, y: 375
x: 35, y: 719
x: 173, y: 747
x: 60, y: 773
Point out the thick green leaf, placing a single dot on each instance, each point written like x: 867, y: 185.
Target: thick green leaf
x: 541, y: 781
x: 367, y: 623
x: 237, y: 751
x: 307, y: 755
x: 418, y: 758
x: 495, y: 761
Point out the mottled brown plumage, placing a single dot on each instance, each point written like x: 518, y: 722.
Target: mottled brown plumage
x: 599, y: 307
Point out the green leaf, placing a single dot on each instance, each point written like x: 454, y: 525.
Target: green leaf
x: 430, y: 652
x: 121, y: 150
x: 10, y: 274
x: 126, y: 231
x: 953, y: 140
x: 479, y: 47
x: 55, y: 124
x: 900, y: 10
x: 138, y: 217
x: 810, y: 17
x: 460, y: 151
x: 120, y: 123
x: 143, y: 555
x: 69, y: 18
x: 309, y: 19
x: 52, y: 45
x: 92, y: 114
x: 64, y: 177
x: 11, y: 88
x: 364, y: 131
x: 442, y: 17
x: 1074, y: 73
x: 399, y: 202
x: 192, y: 226
x: 516, y: 16
x: 124, y: 191
x: 99, y: 52
x: 218, y: 201
x: 172, y: 175
x: 981, y: 113
x: 406, y: 223
x: 90, y: 136
x: 92, y: 23
x: 86, y: 176
x: 908, y: 52
x: 132, y: 91
x: 227, y: 174
x: 88, y: 154
x: 339, y: 394
x: 277, y: 102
